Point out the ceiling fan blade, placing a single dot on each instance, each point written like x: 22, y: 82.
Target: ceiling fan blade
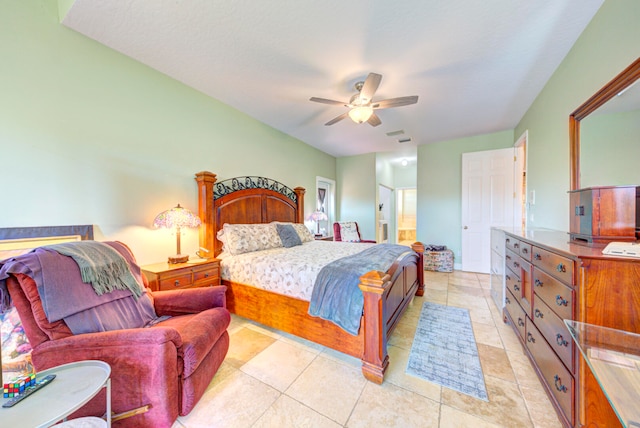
x: 326, y: 101
x: 337, y: 119
x: 374, y: 120
x: 370, y: 87
x: 395, y: 102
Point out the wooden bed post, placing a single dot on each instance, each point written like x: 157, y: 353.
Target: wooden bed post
x: 300, y: 202
x: 375, y: 359
x: 418, y: 247
x: 206, y: 181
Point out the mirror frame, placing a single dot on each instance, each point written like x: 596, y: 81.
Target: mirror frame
x: 623, y: 80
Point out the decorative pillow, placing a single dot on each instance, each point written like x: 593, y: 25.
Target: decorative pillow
x: 349, y: 232
x: 246, y: 238
x: 303, y: 231
x: 222, y: 238
x: 288, y: 235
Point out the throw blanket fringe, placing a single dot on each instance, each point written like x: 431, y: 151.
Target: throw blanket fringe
x: 100, y: 265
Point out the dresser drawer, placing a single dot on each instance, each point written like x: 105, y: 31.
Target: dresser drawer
x: 555, y: 294
x: 512, y: 282
x: 513, y: 262
x: 517, y: 315
x: 555, y: 265
x: 173, y: 282
x: 555, y: 331
x: 555, y: 374
x: 512, y: 244
x: 525, y: 250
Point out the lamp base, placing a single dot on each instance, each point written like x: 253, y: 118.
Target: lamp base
x: 178, y: 258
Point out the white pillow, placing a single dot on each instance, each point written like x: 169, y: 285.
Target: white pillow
x: 246, y: 238
x: 349, y: 232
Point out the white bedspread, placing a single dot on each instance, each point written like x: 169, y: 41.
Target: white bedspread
x: 289, y: 271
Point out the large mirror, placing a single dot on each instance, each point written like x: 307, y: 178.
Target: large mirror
x: 605, y: 134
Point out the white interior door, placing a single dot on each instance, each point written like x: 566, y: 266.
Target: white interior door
x: 487, y: 200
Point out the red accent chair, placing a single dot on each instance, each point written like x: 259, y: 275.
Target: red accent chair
x: 338, y: 234
x: 167, y: 366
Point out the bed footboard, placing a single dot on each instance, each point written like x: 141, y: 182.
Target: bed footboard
x: 386, y: 297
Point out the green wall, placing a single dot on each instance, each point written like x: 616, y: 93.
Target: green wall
x: 439, y: 189
x: 609, y: 44
x: 90, y: 136
x: 357, y: 192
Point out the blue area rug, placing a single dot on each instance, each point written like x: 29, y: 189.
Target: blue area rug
x: 444, y: 350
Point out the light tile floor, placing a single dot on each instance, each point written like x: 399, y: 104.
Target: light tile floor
x: 272, y: 379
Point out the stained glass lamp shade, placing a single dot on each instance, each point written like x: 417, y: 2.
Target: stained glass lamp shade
x: 177, y: 217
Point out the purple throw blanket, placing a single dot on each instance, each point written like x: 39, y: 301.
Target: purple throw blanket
x: 65, y: 296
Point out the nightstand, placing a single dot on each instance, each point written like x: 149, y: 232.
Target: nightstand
x: 194, y: 273
x: 324, y: 238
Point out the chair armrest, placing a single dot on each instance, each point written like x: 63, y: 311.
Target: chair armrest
x: 133, y: 336
x: 189, y: 301
x: 109, y: 346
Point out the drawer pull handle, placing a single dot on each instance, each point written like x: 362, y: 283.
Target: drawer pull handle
x: 176, y: 283
x: 538, y: 314
x: 538, y: 283
x: 559, y: 386
x: 516, y: 264
x: 560, y: 301
x: 508, y: 257
x: 520, y: 322
x: 206, y: 275
x: 515, y: 287
x: 508, y: 240
x: 508, y: 277
x: 506, y: 299
x: 525, y: 250
x: 560, y: 340
x: 516, y: 245
x: 530, y: 338
x: 561, y: 268
x: 537, y: 256
x: 579, y: 210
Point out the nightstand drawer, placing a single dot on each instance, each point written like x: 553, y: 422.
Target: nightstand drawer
x: 197, y: 273
x: 175, y: 282
x: 206, y: 274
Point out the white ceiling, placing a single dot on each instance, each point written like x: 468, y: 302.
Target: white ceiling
x: 476, y: 65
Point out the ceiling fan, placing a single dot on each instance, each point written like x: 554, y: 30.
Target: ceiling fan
x: 362, y: 106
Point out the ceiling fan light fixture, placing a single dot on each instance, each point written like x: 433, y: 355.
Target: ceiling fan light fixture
x: 360, y: 114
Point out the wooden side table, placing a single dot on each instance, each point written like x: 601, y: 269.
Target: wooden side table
x: 194, y: 273
x: 324, y: 238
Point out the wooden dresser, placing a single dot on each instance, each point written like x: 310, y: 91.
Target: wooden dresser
x: 196, y: 273
x: 549, y: 279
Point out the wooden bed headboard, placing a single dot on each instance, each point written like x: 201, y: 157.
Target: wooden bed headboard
x: 243, y: 200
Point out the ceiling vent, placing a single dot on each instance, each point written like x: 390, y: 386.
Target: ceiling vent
x: 404, y: 140
x: 394, y: 133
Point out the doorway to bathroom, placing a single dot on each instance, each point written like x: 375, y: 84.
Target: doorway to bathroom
x: 406, y: 215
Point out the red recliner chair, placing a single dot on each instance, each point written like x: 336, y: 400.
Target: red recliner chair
x: 348, y: 232
x: 163, y: 369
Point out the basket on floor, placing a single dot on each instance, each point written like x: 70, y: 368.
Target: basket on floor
x: 438, y: 261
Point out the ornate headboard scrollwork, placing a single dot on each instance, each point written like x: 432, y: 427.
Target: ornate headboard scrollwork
x: 252, y: 182
x: 241, y: 200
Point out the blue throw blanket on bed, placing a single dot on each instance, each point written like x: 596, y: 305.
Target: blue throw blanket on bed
x: 336, y: 295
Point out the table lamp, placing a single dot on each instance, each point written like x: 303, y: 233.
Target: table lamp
x: 317, y: 216
x: 177, y: 217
